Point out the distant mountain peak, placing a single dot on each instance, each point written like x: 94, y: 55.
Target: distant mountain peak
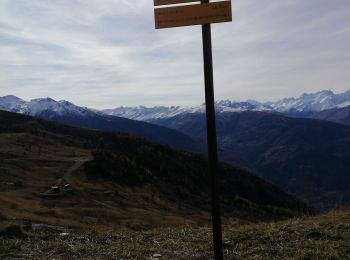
x: 47, y: 99
x: 37, y: 106
x: 322, y: 92
x: 11, y: 97
x: 11, y: 103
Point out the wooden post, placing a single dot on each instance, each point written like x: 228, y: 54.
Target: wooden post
x: 211, y: 137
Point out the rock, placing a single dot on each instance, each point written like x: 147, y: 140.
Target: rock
x: 54, y: 190
x: 45, y: 227
x: 68, y: 188
x: 8, y: 184
x: 64, y: 234
x: 109, y: 193
x: 156, y: 256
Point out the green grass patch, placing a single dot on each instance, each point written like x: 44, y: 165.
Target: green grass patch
x: 9, y: 248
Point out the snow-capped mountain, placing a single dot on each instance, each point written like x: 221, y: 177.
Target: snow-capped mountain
x: 67, y: 113
x: 315, y: 102
x: 36, y: 107
x: 143, y: 113
x: 149, y: 113
x: 306, y: 103
x: 11, y: 103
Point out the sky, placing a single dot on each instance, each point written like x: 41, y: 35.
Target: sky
x: 106, y: 53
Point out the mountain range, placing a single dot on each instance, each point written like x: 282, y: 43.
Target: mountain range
x: 304, y: 106
x: 290, y: 143
x: 307, y: 105
x: 70, y: 114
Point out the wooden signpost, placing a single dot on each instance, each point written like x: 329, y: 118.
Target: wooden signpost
x: 170, y: 2
x: 205, y: 14
x: 193, y: 14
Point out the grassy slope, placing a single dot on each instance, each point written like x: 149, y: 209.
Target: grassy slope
x: 320, y: 237
x: 48, y: 163
x: 42, y: 154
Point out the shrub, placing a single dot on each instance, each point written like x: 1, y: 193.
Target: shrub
x: 13, y: 231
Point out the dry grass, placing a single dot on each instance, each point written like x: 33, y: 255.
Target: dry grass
x: 47, y: 164
x: 321, y: 237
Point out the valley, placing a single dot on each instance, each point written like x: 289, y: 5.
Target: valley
x: 306, y: 157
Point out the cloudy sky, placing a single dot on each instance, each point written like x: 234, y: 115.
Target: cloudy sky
x: 106, y: 53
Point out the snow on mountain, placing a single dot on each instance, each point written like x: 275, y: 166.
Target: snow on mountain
x: 147, y: 113
x: 11, y: 103
x: 143, y: 113
x: 313, y: 102
x: 343, y: 100
x: 35, y: 107
x: 306, y: 103
x: 344, y: 104
x: 232, y: 106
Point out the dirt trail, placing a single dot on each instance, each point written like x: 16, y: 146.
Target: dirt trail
x: 78, y: 162
x: 69, y: 178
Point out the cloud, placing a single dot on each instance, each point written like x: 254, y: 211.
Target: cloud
x: 106, y: 53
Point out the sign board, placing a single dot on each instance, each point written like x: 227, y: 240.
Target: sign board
x: 186, y: 15
x: 170, y: 2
